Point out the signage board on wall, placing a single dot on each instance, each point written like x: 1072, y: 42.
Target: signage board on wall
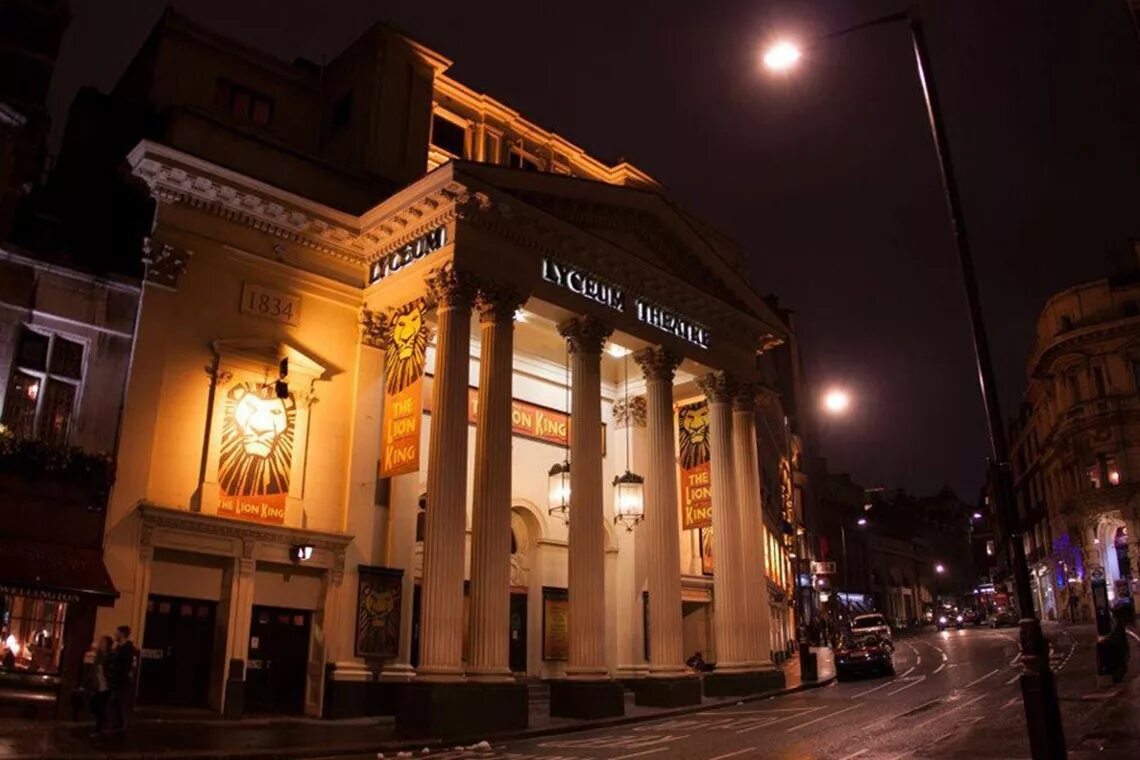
x: 555, y: 624
x: 696, y: 473
x: 268, y: 303
x: 256, y: 454
x: 425, y: 244
x: 378, y: 611
x: 404, y: 358
x: 823, y: 568
x: 594, y: 288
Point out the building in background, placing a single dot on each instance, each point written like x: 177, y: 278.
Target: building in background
x: 292, y: 520
x: 1076, y: 445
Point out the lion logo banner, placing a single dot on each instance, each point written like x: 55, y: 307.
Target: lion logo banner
x: 696, y: 474
x: 403, y: 390
x: 256, y: 453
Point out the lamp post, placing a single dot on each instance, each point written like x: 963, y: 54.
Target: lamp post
x: 1038, y: 688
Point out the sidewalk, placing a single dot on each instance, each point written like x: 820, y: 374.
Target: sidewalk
x: 269, y: 738
x: 1115, y: 732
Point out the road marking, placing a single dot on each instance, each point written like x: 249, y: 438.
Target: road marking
x: 1010, y: 703
x: 918, y: 661
x: 1007, y: 683
x: 940, y: 667
x: 947, y: 712
x: 733, y: 754
x: 848, y: 757
x: 979, y: 680
x: 824, y: 717
x: 1016, y: 659
x: 639, y: 754
x: 1133, y: 635
x: 914, y: 681
x: 767, y: 723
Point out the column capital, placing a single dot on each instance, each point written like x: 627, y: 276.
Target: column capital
x: 585, y: 335
x: 745, y: 397
x: 497, y: 302
x: 630, y: 412
x: 719, y: 386
x: 374, y: 328
x: 164, y: 262
x: 451, y: 287
x: 657, y: 363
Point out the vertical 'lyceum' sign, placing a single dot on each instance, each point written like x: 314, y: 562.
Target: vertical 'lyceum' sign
x: 696, y: 473
x: 403, y: 390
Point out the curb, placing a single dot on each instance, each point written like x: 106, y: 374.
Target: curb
x: 315, y: 753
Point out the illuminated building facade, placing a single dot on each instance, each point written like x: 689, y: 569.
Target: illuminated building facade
x: 1076, y: 447
x: 396, y: 344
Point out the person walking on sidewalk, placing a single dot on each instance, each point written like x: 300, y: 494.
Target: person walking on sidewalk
x: 1118, y: 645
x: 122, y: 678
x: 99, y: 685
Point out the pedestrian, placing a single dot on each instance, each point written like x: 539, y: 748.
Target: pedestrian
x: 1074, y: 603
x: 122, y: 678
x: 1118, y: 645
x: 99, y: 684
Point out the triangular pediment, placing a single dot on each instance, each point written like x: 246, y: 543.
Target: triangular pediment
x: 641, y: 222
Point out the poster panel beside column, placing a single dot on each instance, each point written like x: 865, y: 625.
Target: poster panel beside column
x: 404, y: 359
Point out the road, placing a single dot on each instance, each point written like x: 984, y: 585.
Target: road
x: 955, y: 695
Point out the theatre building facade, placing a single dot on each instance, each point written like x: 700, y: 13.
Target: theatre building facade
x: 395, y: 451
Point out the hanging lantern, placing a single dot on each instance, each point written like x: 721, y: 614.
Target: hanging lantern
x: 558, y: 491
x: 629, y: 499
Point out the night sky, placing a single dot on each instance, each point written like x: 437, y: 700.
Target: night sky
x: 827, y: 176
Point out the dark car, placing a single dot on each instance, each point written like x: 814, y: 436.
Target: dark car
x: 948, y: 618
x: 1003, y: 616
x: 972, y: 615
x: 870, y: 655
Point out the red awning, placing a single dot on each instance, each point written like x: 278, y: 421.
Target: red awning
x: 54, y: 571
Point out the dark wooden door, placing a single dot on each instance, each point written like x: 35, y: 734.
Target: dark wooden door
x: 518, y: 633
x: 177, y: 651
x: 278, y: 661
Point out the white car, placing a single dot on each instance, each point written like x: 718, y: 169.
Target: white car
x: 873, y: 624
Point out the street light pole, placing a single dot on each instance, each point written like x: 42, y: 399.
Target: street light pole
x: 1038, y: 688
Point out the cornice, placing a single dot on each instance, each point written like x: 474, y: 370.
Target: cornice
x: 154, y: 516
x: 1071, y: 340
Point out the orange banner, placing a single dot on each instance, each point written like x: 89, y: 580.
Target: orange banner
x: 528, y: 420
x: 407, y: 339
x: 696, y: 473
x: 401, y: 437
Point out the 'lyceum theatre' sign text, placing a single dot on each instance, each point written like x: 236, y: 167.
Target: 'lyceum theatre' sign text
x: 429, y: 242
x: 589, y: 286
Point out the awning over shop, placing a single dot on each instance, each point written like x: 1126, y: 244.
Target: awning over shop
x: 54, y: 571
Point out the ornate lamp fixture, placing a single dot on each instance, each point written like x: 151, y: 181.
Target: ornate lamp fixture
x: 558, y: 483
x: 629, y: 488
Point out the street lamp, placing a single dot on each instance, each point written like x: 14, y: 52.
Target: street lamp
x: 836, y: 401
x: 1038, y: 689
x: 940, y: 568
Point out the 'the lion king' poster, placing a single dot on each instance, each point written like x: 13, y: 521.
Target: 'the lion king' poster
x: 256, y: 453
x: 696, y: 474
x: 378, y: 612
x: 403, y: 390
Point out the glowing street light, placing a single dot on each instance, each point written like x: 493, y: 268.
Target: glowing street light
x: 782, y: 56
x: 836, y: 401
x: 940, y: 568
x: 861, y: 521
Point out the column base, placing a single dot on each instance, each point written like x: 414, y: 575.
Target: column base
x: 673, y: 691
x: 586, y: 700
x: 743, y: 683
x: 441, y: 710
x: 358, y: 697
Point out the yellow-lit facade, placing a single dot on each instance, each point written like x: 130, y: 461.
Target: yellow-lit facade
x: 293, y: 348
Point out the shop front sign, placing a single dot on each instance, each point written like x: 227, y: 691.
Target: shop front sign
x: 422, y: 246
x: 590, y: 286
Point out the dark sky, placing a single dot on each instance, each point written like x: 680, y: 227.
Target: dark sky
x: 827, y: 177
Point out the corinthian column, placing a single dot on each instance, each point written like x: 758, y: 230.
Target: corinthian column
x: 441, y: 631
x: 585, y: 338
x: 491, y: 520
x: 666, y: 652
x: 728, y: 581
x: 758, y: 623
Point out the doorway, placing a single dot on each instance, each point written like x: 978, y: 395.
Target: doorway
x: 278, y: 660
x: 518, y: 633
x: 177, y: 651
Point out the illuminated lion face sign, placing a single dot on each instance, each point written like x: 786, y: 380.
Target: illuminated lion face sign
x: 693, y: 422
x: 257, y: 442
x: 407, y: 347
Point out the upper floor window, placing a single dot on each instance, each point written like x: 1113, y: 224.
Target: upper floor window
x: 1066, y: 323
x: 1074, y: 386
x: 1092, y: 472
x: 448, y: 135
x: 1131, y: 308
x: 46, y: 375
x: 519, y: 159
x: 341, y: 112
x: 243, y: 103
x: 1098, y: 381
x: 1136, y: 373
x: 1112, y: 470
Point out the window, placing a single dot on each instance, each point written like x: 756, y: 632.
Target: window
x: 990, y: 548
x: 1131, y: 308
x: 448, y: 135
x: 491, y: 148
x: 46, y: 376
x: 1066, y: 323
x: 243, y: 103
x: 1092, y: 472
x: 31, y: 634
x: 520, y: 160
x: 341, y: 112
x: 1098, y: 381
x: 1074, y: 387
x: 1136, y: 373
x: 1112, y: 470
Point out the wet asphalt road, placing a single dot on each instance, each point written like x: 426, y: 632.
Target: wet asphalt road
x: 955, y: 695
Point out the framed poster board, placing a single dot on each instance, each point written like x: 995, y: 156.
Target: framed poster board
x: 378, y: 599
x: 555, y: 623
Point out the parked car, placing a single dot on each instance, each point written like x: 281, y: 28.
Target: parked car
x: 1003, y: 616
x: 869, y: 655
x: 872, y: 624
x: 949, y: 618
x: 972, y: 615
